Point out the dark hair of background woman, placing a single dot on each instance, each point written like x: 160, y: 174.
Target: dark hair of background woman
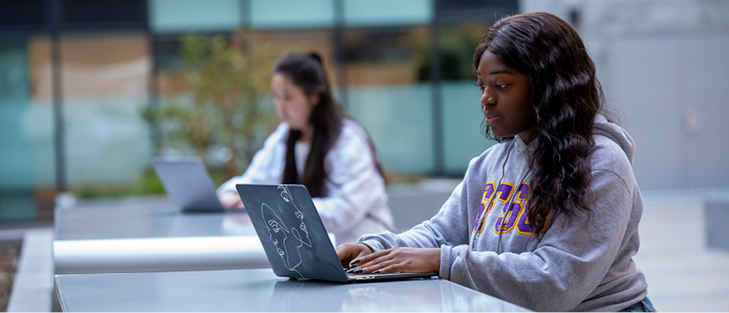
x: 566, y: 96
x: 307, y: 72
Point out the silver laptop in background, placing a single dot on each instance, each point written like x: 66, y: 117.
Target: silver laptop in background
x: 188, y: 184
x: 295, y: 241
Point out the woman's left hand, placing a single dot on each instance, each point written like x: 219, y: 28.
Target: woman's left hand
x: 400, y: 260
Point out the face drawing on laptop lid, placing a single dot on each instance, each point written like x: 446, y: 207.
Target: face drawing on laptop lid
x: 294, y: 238
x: 305, y: 240
x: 287, y: 248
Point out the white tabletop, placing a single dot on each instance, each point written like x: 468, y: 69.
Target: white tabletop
x: 150, y: 236
x: 261, y: 290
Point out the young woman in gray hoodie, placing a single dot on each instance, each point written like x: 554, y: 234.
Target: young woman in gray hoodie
x: 548, y: 217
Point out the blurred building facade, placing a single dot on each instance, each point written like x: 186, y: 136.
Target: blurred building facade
x: 77, y: 74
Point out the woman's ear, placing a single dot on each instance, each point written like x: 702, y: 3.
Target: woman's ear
x: 314, y: 98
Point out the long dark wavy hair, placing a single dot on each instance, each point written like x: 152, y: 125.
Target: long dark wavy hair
x: 566, y: 97
x: 307, y: 71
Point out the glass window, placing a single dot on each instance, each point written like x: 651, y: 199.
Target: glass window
x: 462, y: 116
x: 282, y: 14
x: 386, y: 98
x: 26, y: 132
x: 386, y: 12
x: 399, y: 121
x: 167, y: 16
x: 462, y: 121
x: 105, y: 88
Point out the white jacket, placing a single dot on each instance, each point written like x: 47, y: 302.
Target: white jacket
x: 356, y: 203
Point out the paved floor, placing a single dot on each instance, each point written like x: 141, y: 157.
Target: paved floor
x: 683, y: 275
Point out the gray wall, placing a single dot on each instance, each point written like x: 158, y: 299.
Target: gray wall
x: 674, y: 92
x: 664, y: 66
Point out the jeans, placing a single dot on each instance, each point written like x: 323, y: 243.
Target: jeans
x: 644, y: 305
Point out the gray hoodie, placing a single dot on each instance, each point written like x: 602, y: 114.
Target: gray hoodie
x: 581, y: 263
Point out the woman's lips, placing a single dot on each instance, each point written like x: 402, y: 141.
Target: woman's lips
x: 492, y: 117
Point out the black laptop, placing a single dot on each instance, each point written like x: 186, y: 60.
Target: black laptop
x: 292, y: 235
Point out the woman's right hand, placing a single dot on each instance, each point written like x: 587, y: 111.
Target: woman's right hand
x: 231, y: 200
x: 349, y: 252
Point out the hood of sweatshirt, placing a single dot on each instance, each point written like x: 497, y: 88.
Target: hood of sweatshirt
x: 615, y: 133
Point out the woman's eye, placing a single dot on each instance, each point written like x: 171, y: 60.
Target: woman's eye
x: 500, y: 87
x: 481, y: 87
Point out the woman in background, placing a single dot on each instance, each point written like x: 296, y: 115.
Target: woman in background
x: 318, y: 146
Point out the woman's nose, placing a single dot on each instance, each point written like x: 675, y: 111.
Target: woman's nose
x: 487, y: 98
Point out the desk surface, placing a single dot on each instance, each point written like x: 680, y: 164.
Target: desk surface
x: 145, y: 218
x: 150, y: 235
x: 261, y: 290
